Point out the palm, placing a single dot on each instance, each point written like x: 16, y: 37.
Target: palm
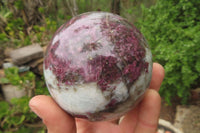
x: 136, y: 121
x: 143, y: 119
x: 84, y: 126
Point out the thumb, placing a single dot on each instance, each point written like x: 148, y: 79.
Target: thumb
x: 55, y: 119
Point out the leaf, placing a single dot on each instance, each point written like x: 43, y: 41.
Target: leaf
x: 197, y: 66
x: 8, y: 14
x: 4, y: 110
x: 4, y: 80
x: 17, y: 120
x: 172, y: 30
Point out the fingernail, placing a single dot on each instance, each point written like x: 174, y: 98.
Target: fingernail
x: 33, y: 105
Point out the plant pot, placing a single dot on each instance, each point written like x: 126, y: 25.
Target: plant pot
x: 11, y: 91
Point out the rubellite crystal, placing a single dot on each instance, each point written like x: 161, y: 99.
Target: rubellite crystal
x: 97, y: 66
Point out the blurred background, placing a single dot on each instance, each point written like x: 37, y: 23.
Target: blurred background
x: 172, y: 29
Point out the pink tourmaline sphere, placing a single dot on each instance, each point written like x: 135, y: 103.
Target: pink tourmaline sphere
x: 97, y: 66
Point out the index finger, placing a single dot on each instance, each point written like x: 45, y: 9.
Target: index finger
x: 158, y: 74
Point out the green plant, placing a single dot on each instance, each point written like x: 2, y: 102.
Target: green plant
x: 18, y: 19
x: 41, y: 88
x: 172, y: 29
x: 93, y: 5
x: 13, y: 77
x: 17, y: 117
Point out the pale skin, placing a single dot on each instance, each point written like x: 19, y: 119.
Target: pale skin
x: 142, y: 119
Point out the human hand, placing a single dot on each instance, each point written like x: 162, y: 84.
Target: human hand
x: 142, y: 119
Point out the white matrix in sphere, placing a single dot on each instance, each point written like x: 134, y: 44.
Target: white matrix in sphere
x: 97, y: 66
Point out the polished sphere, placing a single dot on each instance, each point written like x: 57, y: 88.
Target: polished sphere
x: 97, y: 66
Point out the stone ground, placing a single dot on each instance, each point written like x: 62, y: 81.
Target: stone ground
x: 189, y: 119
x: 185, y: 118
